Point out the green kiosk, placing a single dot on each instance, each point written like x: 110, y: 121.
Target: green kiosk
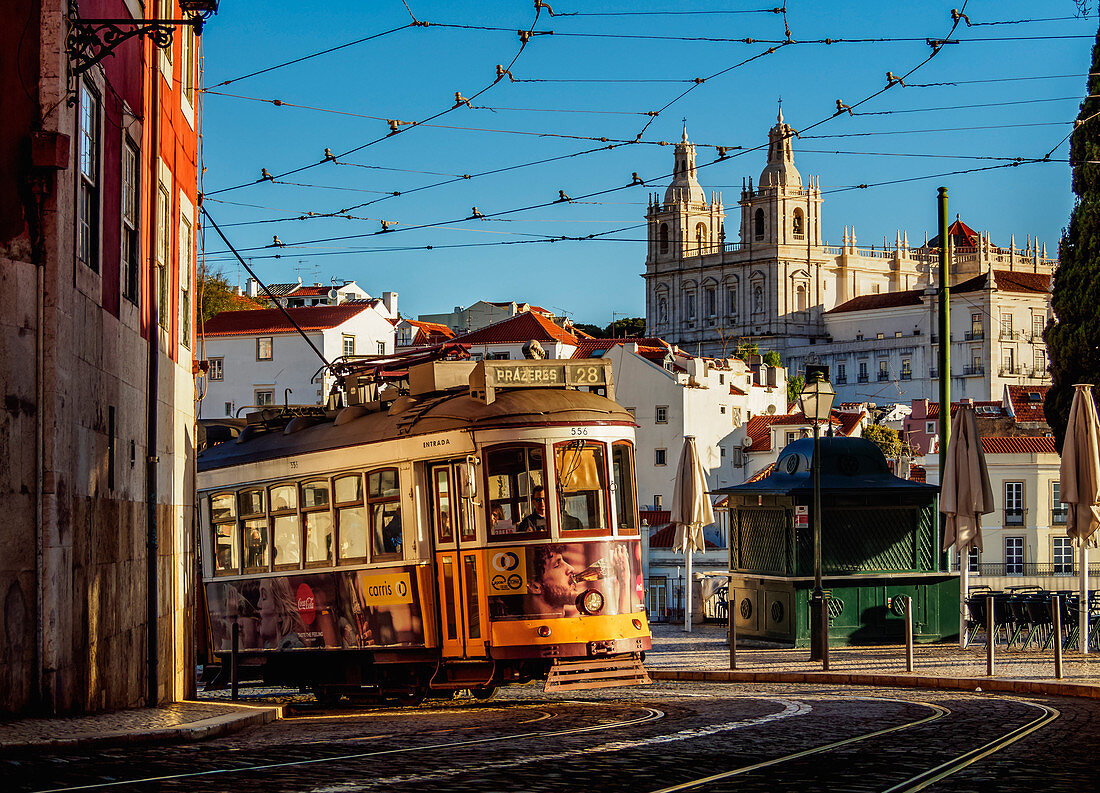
x: 879, y: 539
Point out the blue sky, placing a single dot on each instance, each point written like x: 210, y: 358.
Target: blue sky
x: 603, y: 86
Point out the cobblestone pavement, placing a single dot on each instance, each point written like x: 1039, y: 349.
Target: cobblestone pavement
x: 706, y: 648
x: 631, y: 739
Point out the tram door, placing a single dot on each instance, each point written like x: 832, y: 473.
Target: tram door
x: 459, y: 566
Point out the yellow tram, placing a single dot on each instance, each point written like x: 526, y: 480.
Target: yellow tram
x: 456, y: 525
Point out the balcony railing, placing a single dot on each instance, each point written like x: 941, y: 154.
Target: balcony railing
x: 1012, y: 335
x: 973, y: 370
x: 906, y: 375
x: 1014, y: 516
x: 975, y: 335
x: 999, y: 569
x: 883, y: 376
x: 863, y: 378
x: 841, y: 379
x: 1058, y: 516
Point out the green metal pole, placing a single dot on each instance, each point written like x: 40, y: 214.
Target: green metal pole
x: 945, y: 332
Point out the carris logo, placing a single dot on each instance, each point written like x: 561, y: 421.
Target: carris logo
x: 505, y: 561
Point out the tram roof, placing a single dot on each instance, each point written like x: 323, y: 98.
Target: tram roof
x: 412, y: 416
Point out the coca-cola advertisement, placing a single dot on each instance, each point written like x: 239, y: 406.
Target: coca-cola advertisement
x: 552, y: 580
x: 355, y: 608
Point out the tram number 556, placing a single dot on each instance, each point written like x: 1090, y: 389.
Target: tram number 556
x: 578, y: 430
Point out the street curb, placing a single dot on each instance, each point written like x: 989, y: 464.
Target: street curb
x: 904, y: 680
x: 194, y: 731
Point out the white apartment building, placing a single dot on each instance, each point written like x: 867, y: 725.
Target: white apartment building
x: 484, y: 313
x: 1024, y: 539
x: 504, y: 340
x: 257, y: 358
x: 297, y: 295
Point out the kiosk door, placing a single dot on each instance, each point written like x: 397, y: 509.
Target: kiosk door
x: 461, y: 575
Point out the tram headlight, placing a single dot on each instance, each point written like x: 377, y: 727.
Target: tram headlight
x: 543, y: 630
x: 637, y: 624
x: 590, y: 602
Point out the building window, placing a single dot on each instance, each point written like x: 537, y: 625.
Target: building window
x: 976, y: 326
x: 130, y: 249
x: 660, y: 457
x: 863, y: 375
x: 883, y: 370
x: 1058, y: 510
x: 349, y: 346
x: 1014, y: 503
x: 791, y: 438
x: 632, y: 411
x: 880, y: 335
x: 229, y: 408
x: 187, y: 62
x: 796, y: 224
x: 264, y: 348
x: 264, y: 398
x: 215, y: 372
x: 1061, y: 555
x: 1006, y: 326
x: 1038, y: 325
x: 657, y: 501
x: 800, y: 298
x: 1008, y: 360
x: 381, y: 348
x: 906, y: 369
x: 1014, y: 555
x: 731, y: 301
x: 164, y: 241
x: 973, y: 559
x: 88, y: 179
x: 701, y: 236
x: 663, y: 244
x: 1039, y: 361
x: 722, y: 451
x: 758, y: 225
x: 710, y: 297
x: 930, y: 428
x: 185, y: 280
x: 660, y: 414
x: 722, y: 409
x: 842, y: 373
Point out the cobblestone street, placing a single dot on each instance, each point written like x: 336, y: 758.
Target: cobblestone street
x: 761, y: 737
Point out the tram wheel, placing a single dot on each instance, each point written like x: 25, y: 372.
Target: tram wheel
x: 485, y: 693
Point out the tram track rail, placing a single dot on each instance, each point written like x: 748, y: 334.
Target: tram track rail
x: 911, y: 784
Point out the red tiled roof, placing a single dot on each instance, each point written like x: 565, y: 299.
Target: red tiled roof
x: 245, y: 303
x: 311, y: 291
x: 962, y: 236
x: 763, y: 472
x: 429, y: 332
x: 910, y: 297
x: 759, y: 429
x: 1018, y: 445
x: 655, y: 517
x: 734, y: 390
x: 1015, y: 281
x: 848, y: 421
x: 271, y: 320
x: 666, y: 537
x: 1027, y: 409
x: 520, y: 329
x: 934, y: 409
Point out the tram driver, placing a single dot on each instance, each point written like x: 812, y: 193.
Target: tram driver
x: 536, y: 521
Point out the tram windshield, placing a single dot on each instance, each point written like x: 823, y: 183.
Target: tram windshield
x: 581, y: 468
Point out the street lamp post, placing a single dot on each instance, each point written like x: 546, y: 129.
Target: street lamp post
x: 817, y: 405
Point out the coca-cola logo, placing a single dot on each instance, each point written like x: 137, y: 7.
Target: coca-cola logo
x: 307, y: 606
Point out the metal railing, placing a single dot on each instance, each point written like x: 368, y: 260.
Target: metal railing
x: 1030, y: 569
x: 883, y: 376
x: 973, y: 370
x: 863, y: 378
x: 1014, y: 516
x: 974, y: 335
x: 906, y: 375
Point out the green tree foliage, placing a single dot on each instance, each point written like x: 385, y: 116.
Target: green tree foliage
x: 745, y: 349
x: 591, y: 330
x: 771, y: 358
x: 794, y: 387
x: 625, y: 328
x: 886, y: 438
x: 216, y: 295
x: 1073, y: 341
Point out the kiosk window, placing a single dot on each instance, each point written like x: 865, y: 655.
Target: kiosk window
x: 517, y: 500
x: 350, y: 518
x: 626, y: 505
x: 318, y: 522
x: 223, y: 511
x: 581, y: 469
x: 286, y: 525
x: 384, y: 506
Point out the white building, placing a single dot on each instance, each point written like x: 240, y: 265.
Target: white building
x: 504, y: 340
x: 414, y: 333
x: 781, y: 285
x: 257, y: 358
x: 297, y: 295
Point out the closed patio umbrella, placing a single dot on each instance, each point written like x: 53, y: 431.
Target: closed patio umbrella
x: 1080, y: 487
x: 965, y: 495
x: 691, y: 510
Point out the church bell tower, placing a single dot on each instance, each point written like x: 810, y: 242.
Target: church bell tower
x: 685, y: 223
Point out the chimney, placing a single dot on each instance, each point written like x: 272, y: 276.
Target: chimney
x: 253, y: 287
x: 389, y: 300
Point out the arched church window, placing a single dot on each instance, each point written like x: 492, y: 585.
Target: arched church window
x: 758, y: 224
x: 797, y: 225
x: 701, y: 236
x: 800, y: 297
x: 663, y: 238
x: 757, y: 299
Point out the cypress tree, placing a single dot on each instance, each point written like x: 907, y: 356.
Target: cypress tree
x: 1073, y: 340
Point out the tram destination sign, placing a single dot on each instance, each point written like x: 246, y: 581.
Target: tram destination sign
x: 591, y: 373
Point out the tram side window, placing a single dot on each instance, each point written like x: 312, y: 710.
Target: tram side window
x: 516, y: 488
x: 626, y: 505
x: 384, y: 506
x: 351, y: 520
x: 286, y: 526
x: 254, y: 526
x: 581, y: 470
x: 318, y: 522
x: 223, y: 511
x: 444, y: 512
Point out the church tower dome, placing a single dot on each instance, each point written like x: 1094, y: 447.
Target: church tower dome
x: 685, y: 187
x: 780, y: 169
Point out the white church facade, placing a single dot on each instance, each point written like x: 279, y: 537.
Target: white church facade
x: 777, y: 283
